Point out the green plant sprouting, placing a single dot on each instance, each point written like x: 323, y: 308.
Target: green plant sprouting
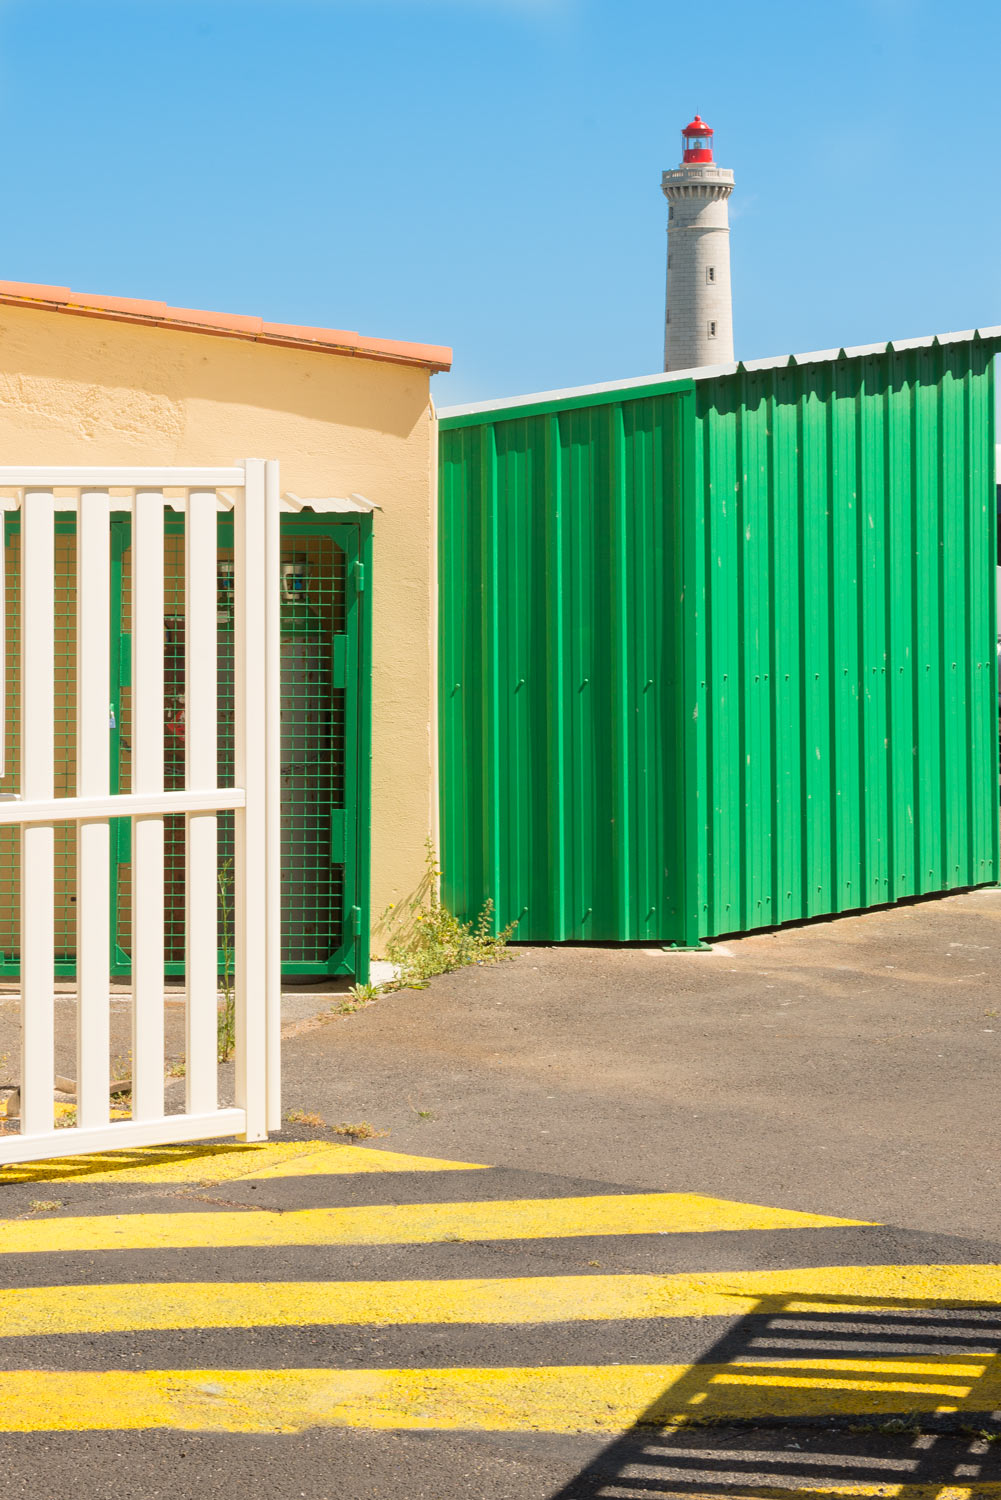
x: 226, y: 1021
x: 426, y: 939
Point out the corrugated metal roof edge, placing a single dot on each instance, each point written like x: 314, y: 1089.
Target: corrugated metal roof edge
x: 669, y: 379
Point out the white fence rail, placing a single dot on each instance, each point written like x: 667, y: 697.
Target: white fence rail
x: 251, y: 493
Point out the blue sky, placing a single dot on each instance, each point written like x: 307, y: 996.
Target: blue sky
x: 485, y: 173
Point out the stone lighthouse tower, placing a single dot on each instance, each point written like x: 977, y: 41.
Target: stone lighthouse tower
x: 699, y: 328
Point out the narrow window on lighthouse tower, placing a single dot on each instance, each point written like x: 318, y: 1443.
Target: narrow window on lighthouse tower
x: 710, y: 273
x: 712, y: 328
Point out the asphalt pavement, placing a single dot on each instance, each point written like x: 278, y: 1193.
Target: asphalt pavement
x: 851, y: 1065
x: 607, y: 1223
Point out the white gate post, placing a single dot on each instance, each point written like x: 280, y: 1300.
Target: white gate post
x: 201, y: 881
x: 147, y: 832
x: 253, y: 627
x: 93, y: 844
x: 272, y: 595
x: 37, y: 785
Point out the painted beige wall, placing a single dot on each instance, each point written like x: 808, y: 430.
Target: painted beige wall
x: 80, y: 390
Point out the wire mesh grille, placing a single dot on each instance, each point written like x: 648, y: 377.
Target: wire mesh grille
x: 313, y: 750
x: 64, y: 727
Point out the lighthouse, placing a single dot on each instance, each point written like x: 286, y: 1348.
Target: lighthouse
x: 699, y: 324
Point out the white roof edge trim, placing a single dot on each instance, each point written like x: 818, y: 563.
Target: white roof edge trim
x: 331, y: 505
x: 668, y: 378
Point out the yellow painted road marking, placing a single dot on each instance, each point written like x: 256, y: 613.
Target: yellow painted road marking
x: 561, y: 1399
x: 890, y: 1490
x: 215, y: 1163
x: 37, y: 1311
x: 398, y: 1224
x: 849, y: 1490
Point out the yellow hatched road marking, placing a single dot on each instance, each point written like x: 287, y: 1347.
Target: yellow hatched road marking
x: 226, y: 1163
x: 560, y: 1399
x: 38, y: 1311
x: 737, y: 1489
x: 411, y: 1223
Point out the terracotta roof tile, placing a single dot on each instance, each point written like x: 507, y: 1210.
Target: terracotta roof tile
x: 232, y: 325
x: 218, y: 322
x: 303, y: 334
x: 85, y: 301
x: 31, y: 291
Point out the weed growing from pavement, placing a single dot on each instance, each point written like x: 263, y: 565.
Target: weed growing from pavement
x: 121, y: 1074
x: 360, y: 996
x: 226, y: 1023
x: 305, y: 1117
x: 45, y: 1205
x: 425, y: 939
x: 363, y: 1131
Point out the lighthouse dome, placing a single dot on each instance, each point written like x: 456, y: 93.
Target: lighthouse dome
x: 697, y: 141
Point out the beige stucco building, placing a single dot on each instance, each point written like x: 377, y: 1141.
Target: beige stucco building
x: 91, y: 379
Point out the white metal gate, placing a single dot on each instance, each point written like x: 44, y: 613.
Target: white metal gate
x: 251, y: 492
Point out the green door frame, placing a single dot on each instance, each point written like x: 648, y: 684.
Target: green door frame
x: 351, y: 660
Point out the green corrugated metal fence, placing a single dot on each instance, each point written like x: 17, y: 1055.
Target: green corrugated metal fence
x: 720, y: 654
x: 560, y: 776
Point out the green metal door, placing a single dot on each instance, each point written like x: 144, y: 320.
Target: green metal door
x: 324, y: 740
x: 326, y: 633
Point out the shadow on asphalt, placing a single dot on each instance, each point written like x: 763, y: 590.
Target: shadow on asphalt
x: 789, y: 1429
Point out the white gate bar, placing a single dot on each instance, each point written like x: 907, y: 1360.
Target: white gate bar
x: 70, y: 504
x: 147, y: 832
x: 121, y: 1133
x: 201, y: 886
x: 103, y: 476
x: 253, y: 628
x: 93, y: 762
x: 272, y: 680
x: 120, y: 805
x: 37, y: 841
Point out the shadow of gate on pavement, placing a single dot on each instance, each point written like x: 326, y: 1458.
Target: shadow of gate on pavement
x: 908, y: 1404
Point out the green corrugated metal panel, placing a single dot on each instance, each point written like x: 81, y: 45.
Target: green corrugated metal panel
x: 720, y: 655
x: 847, y: 709
x: 560, y: 574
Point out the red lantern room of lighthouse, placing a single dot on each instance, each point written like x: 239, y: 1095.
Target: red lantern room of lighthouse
x: 697, y: 140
